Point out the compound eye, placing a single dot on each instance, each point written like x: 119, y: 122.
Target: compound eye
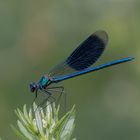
x: 32, y: 87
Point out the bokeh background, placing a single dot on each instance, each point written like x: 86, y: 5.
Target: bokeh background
x: 37, y: 35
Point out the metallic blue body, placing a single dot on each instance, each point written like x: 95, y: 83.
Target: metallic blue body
x: 108, y: 64
x: 79, y: 62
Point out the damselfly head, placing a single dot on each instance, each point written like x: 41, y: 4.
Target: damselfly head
x: 33, y: 87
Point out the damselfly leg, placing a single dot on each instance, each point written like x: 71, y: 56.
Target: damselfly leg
x: 51, y: 93
x: 60, y: 91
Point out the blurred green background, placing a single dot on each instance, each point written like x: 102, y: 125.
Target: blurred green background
x: 37, y: 35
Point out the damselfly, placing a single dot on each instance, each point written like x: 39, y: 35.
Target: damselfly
x: 79, y: 62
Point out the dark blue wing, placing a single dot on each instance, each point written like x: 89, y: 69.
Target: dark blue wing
x: 88, y: 52
x: 83, y: 56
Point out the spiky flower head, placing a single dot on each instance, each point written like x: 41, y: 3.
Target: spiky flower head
x: 44, y: 124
